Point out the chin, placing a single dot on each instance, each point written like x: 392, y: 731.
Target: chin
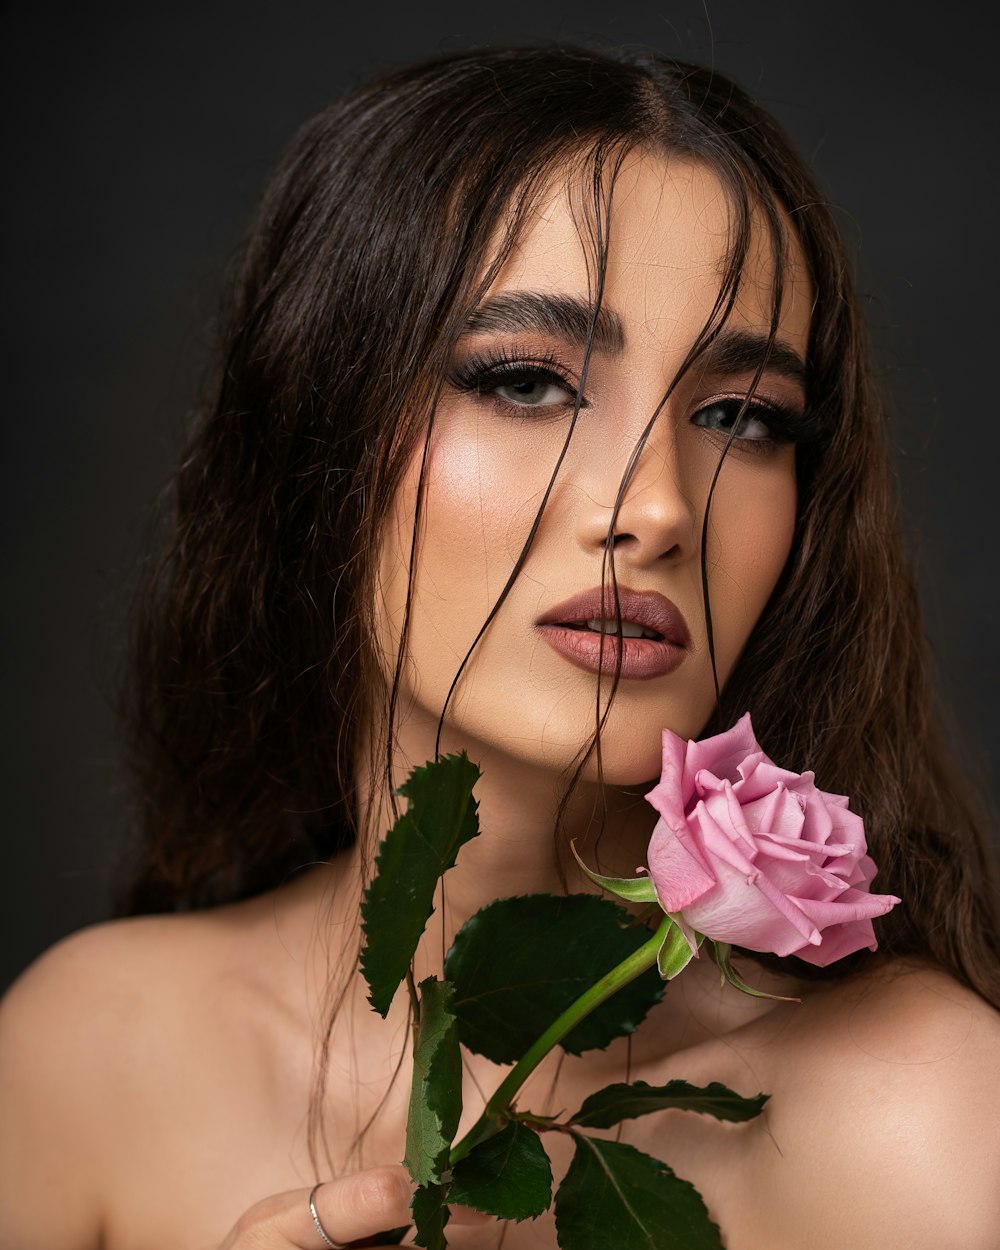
x: 627, y: 760
x: 624, y: 771
x: 532, y: 728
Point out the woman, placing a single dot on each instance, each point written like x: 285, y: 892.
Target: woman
x: 508, y: 323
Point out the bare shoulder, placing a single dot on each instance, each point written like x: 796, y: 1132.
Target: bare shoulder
x: 96, y: 1037
x: 69, y: 1032
x: 891, y: 1094
x: 92, y: 995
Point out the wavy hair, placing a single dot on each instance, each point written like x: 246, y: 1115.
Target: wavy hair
x: 253, y: 674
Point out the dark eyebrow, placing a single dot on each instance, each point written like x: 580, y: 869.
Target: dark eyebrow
x: 565, y: 316
x: 570, y: 318
x: 742, y: 351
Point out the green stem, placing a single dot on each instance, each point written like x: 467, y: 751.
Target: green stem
x: 599, y: 992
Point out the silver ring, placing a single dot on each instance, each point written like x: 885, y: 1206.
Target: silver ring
x: 327, y: 1239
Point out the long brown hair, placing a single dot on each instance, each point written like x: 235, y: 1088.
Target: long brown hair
x: 253, y: 670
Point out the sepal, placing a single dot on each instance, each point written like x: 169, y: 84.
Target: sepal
x: 676, y: 951
x: 631, y: 889
x: 721, y: 954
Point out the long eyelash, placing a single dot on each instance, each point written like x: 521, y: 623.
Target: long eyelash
x: 486, y: 370
x: 787, y: 424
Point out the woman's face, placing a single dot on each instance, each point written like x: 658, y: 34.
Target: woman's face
x: 530, y: 687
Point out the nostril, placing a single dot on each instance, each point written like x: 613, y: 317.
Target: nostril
x: 616, y: 540
x: 627, y: 541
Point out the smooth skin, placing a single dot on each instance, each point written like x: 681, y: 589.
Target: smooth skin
x: 155, y: 1073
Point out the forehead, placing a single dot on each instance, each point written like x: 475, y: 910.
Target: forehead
x: 671, y: 229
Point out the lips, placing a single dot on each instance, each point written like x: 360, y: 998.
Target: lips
x: 660, y: 647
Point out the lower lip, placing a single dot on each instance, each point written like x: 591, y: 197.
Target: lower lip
x: 642, y: 658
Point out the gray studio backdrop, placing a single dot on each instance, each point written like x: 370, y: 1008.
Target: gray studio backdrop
x: 136, y: 140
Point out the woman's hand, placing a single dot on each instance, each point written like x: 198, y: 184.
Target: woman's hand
x: 354, y: 1208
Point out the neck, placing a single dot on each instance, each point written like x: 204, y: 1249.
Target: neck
x: 526, y: 825
x: 528, y: 817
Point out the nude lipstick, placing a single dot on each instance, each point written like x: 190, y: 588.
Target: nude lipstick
x: 655, y: 635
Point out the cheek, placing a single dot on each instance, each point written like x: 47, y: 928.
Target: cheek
x: 485, y: 482
x: 480, y: 497
x: 464, y: 516
x: 753, y: 541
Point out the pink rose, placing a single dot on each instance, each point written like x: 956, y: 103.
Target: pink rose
x: 748, y: 853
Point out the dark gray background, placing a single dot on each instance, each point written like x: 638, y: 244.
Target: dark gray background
x: 136, y: 140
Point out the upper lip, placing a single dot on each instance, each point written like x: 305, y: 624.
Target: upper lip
x: 647, y: 608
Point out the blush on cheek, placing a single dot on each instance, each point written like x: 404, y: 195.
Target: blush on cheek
x: 462, y: 558
x: 457, y: 501
x: 481, y: 497
x: 463, y: 515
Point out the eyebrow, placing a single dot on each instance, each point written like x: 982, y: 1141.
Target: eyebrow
x: 743, y: 351
x: 570, y: 318
x: 565, y: 316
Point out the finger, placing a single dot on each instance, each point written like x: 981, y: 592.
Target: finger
x: 348, y: 1209
x: 358, y: 1206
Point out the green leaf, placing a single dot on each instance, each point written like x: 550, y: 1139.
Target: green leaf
x: 508, y: 1175
x: 430, y: 1215
x: 620, y: 1102
x: 441, y: 816
x: 614, y: 1195
x: 436, y: 1090
x: 520, y: 962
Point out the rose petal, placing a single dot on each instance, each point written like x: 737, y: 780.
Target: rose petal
x: 725, y: 855
x: 749, y: 916
x: 838, y: 941
x: 851, y: 906
x: 723, y: 754
x: 726, y: 823
x: 760, y: 775
x: 778, y: 814
x: 677, y: 867
x: 668, y: 796
x: 802, y: 879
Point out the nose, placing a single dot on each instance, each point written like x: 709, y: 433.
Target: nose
x: 656, y: 516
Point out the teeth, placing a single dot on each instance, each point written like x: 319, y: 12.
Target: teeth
x: 601, y: 625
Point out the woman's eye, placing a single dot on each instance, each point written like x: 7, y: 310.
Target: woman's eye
x: 531, y: 389
x: 516, y: 382
x: 756, y: 425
